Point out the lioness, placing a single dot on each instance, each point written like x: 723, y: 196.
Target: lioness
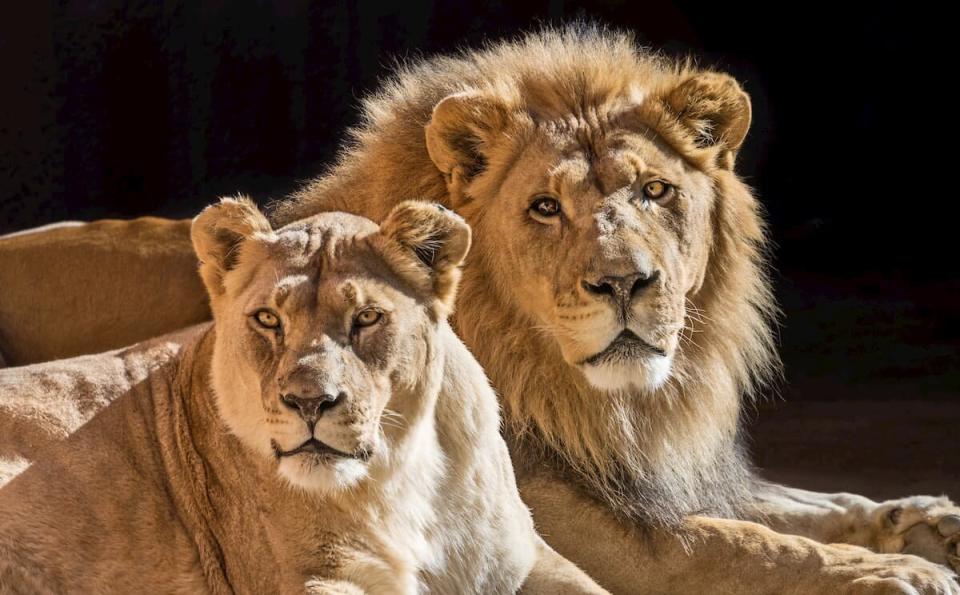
x: 619, y: 300
x: 328, y: 433
x: 42, y: 404
x: 50, y: 303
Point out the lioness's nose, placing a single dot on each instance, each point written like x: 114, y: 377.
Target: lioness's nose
x: 621, y: 289
x: 311, y: 408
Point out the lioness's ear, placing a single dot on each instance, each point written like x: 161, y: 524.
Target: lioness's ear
x: 715, y: 109
x: 433, y: 240
x: 460, y: 133
x: 217, y: 233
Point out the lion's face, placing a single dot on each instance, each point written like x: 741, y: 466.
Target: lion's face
x: 603, y: 241
x: 324, y: 332
x: 593, y: 226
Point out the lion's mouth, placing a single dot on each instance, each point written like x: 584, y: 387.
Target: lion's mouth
x: 626, y: 346
x: 319, y: 449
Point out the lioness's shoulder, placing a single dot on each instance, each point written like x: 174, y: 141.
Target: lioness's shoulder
x: 42, y: 404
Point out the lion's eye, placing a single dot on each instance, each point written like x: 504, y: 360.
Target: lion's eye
x: 266, y: 319
x: 367, y: 318
x: 657, y: 190
x: 545, y: 208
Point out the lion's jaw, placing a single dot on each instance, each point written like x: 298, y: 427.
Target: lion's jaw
x: 618, y: 340
x: 617, y: 351
x: 330, y: 402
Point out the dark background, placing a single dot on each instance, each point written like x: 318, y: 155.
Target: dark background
x: 119, y: 109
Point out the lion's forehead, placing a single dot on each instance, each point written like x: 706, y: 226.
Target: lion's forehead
x: 602, y: 162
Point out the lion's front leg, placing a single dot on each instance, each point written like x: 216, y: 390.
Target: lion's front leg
x: 719, y: 556
x: 925, y: 526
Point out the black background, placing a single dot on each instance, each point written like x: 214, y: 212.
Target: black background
x: 126, y: 108
x: 118, y: 109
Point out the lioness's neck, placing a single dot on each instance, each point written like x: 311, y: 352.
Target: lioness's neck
x: 457, y: 412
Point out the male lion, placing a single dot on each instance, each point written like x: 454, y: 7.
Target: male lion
x: 619, y: 301
x: 327, y: 434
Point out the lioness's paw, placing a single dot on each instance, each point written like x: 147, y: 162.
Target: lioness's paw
x: 920, y: 525
x: 858, y: 571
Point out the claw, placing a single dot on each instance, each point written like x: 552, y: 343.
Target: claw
x: 949, y: 525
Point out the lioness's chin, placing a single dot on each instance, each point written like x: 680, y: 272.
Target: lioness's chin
x: 646, y: 374
x: 323, y: 476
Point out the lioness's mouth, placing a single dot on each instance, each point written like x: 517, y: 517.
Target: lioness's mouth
x: 626, y: 346
x: 316, y: 447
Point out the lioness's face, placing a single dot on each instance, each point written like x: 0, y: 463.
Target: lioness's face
x: 603, y: 240
x: 323, y: 329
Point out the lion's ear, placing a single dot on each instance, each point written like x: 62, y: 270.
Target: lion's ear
x: 715, y: 109
x: 217, y: 233
x: 460, y: 133
x: 431, y: 239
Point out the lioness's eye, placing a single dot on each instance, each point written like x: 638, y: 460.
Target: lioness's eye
x: 367, y: 318
x: 545, y: 208
x: 657, y: 190
x: 266, y: 319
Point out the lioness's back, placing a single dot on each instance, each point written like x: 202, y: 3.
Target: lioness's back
x: 90, y: 287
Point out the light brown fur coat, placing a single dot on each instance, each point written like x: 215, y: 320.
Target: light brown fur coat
x: 77, y: 288
x: 158, y: 492
x: 482, y: 133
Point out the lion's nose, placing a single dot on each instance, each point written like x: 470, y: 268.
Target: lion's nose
x: 311, y: 408
x: 621, y: 289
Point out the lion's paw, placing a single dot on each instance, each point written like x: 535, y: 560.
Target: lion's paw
x: 854, y: 570
x: 924, y: 526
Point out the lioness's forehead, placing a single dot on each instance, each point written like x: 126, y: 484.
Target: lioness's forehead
x: 325, y: 261
x: 322, y: 240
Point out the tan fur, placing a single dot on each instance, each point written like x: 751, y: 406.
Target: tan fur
x: 42, y: 404
x: 171, y: 489
x: 585, y: 116
x: 516, y: 112
x: 924, y: 526
x: 612, y: 472
x: 716, y: 556
x: 79, y: 288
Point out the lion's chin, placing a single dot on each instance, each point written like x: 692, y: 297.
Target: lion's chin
x: 322, y: 475
x: 646, y: 374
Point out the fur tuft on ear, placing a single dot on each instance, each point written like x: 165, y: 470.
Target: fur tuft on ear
x: 432, y: 238
x: 715, y: 110
x: 217, y: 233
x: 460, y: 133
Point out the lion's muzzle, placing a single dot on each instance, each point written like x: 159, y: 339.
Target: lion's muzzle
x: 621, y: 289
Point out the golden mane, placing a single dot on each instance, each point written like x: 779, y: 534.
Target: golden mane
x: 654, y: 457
